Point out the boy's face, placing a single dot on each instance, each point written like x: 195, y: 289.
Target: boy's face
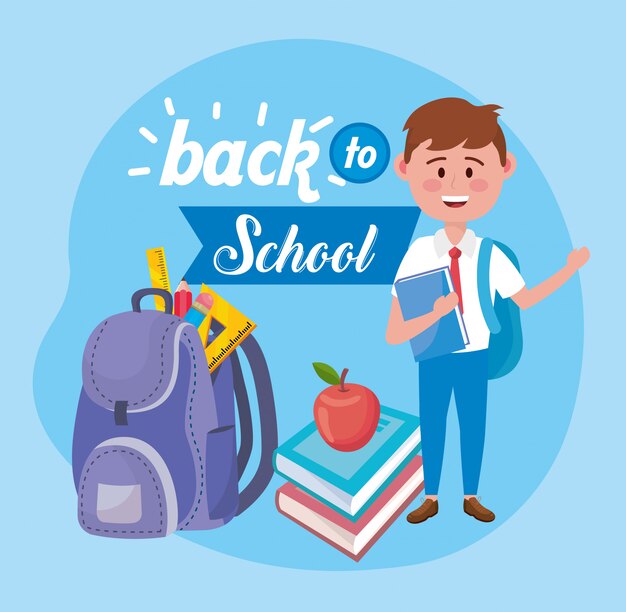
x: 455, y: 185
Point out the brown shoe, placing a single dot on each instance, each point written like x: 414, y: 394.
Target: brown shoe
x: 429, y: 508
x: 474, y: 508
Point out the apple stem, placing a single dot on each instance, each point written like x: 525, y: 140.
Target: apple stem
x: 343, y: 379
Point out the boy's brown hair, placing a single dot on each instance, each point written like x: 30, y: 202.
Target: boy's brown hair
x: 448, y: 122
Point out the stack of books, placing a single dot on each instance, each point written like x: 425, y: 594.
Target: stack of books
x: 349, y: 499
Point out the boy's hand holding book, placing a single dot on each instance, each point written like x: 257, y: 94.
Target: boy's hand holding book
x: 419, y: 314
x: 445, y: 304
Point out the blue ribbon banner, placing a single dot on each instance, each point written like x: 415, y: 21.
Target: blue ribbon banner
x: 279, y: 245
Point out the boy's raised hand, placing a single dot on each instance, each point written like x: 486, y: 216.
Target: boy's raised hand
x: 578, y: 258
x: 445, y: 304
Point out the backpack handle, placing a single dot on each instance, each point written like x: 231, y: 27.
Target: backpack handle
x: 484, y: 289
x: 267, y: 414
x: 142, y: 293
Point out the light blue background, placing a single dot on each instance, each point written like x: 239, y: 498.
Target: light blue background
x: 70, y: 74
x: 120, y: 216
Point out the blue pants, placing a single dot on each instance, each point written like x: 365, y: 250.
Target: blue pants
x: 466, y: 375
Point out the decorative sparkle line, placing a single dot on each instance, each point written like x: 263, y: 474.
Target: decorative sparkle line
x: 260, y: 120
x: 336, y: 180
x: 169, y: 106
x: 217, y: 110
x: 148, y: 135
x: 138, y: 171
x: 322, y: 123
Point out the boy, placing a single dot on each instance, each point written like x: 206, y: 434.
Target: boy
x: 455, y: 161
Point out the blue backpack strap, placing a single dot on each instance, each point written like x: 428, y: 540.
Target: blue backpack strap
x: 269, y: 430
x: 246, y: 433
x: 484, y: 290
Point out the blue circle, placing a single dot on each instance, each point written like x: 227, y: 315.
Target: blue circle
x: 365, y: 164
x: 118, y: 217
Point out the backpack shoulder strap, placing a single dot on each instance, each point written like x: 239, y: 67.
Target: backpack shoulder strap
x: 246, y: 433
x: 267, y: 414
x: 484, y: 289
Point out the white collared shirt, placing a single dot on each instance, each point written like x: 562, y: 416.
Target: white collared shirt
x: 430, y: 252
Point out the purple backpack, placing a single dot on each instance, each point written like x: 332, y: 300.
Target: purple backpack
x: 155, y: 446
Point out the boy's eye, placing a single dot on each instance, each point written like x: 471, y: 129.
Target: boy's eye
x: 441, y: 172
x: 468, y: 173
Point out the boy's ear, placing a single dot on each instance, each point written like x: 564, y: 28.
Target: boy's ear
x: 400, y: 166
x: 510, y: 165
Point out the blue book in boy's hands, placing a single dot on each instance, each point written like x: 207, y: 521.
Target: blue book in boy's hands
x: 416, y: 295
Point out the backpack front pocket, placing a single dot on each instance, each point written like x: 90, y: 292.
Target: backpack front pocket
x: 126, y: 491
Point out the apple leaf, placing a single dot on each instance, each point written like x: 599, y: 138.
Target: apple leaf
x: 327, y: 373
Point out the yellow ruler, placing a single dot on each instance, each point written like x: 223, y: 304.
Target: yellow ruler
x: 236, y: 327
x: 158, y: 274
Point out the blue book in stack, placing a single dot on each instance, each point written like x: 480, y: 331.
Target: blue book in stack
x: 416, y: 296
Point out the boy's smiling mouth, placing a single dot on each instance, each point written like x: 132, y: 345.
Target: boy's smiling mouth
x: 455, y: 201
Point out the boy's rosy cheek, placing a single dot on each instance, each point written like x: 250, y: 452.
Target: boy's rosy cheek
x: 479, y: 185
x: 431, y: 185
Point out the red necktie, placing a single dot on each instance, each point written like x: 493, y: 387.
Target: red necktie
x: 455, y: 274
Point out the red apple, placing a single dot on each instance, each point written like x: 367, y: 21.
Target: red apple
x: 346, y: 415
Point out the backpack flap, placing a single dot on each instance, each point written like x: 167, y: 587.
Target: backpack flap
x: 130, y: 361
